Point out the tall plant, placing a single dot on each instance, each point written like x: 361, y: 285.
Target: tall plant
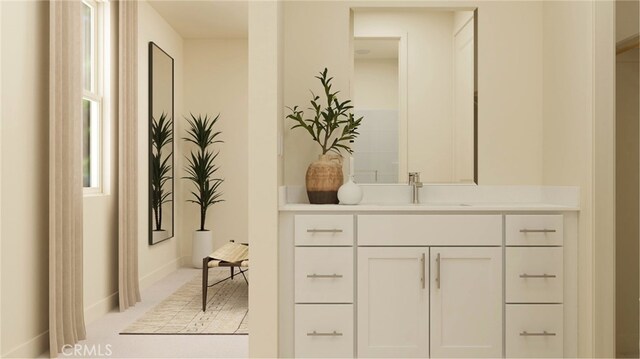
x: 161, y: 165
x: 201, y: 166
x: 325, y: 123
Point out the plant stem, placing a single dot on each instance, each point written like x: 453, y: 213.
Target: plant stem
x: 203, y: 216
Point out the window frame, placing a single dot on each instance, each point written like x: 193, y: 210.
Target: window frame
x: 96, y: 95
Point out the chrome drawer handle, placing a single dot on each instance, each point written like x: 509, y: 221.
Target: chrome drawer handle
x: 543, y: 334
x: 438, y: 270
x: 335, y: 230
x: 537, y: 230
x: 423, y: 275
x: 525, y: 275
x: 324, y: 275
x: 331, y: 334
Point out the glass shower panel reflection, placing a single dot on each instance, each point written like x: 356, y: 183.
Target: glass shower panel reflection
x: 375, y: 152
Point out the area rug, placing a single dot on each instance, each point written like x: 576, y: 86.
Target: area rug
x: 181, y: 312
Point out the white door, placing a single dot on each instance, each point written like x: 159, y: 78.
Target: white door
x: 393, y: 302
x: 466, y: 302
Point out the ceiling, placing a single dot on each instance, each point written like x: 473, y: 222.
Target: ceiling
x: 376, y: 48
x: 199, y: 19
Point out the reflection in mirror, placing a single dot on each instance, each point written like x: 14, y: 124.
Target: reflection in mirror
x: 160, y: 145
x: 414, y: 82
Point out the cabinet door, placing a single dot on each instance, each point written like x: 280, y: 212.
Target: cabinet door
x: 393, y: 302
x: 466, y: 302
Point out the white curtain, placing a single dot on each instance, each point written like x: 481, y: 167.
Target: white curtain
x: 129, y: 288
x: 66, y: 309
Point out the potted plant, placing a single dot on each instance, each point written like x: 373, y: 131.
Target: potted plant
x: 201, y: 168
x: 333, y: 126
x: 161, y: 136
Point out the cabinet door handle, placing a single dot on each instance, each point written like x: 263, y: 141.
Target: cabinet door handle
x: 324, y: 275
x: 333, y: 230
x: 438, y: 271
x: 422, y: 271
x: 525, y: 230
x: 537, y: 334
x: 328, y: 334
x: 525, y: 275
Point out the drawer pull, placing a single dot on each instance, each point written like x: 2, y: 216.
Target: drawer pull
x: 537, y: 230
x: 422, y: 273
x: 334, y: 230
x: 331, y: 334
x: 525, y: 275
x: 543, y: 334
x: 438, y: 270
x: 324, y: 275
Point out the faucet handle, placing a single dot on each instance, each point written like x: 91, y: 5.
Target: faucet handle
x: 414, y: 177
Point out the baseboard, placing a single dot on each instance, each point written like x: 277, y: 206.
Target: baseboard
x: 186, y: 262
x: 32, y: 348
x: 100, y: 308
x: 151, y: 278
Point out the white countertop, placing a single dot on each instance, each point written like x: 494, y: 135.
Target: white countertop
x: 429, y: 207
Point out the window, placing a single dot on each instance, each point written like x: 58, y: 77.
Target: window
x: 92, y: 101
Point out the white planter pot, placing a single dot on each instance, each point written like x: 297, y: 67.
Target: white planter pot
x: 201, y: 246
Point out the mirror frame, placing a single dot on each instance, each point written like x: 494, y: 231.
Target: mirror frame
x: 152, y: 46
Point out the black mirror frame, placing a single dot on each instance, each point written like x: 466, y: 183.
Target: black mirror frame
x: 151, y: 47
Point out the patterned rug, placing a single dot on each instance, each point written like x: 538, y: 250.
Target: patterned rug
x: 181, y: 312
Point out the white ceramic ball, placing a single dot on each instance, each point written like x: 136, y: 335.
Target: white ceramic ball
x: 350, y: 193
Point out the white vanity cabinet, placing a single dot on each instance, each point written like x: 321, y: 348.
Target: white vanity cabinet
x: 427, y: 283
x: 534, y: 277
x: 442, y: 297
x: 466, y: 302
x: 393, y: 302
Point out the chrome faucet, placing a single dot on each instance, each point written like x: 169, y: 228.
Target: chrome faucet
x: 414, y: 182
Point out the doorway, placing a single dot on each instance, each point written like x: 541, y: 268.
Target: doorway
x: 627, y: 180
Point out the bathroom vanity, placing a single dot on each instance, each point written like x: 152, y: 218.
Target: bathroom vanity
x: 429, y: 280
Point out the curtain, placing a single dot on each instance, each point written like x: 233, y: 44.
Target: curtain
x: 128, y: 284
x: 66, y: 309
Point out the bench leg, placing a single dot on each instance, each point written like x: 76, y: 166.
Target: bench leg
x: 205, y: 282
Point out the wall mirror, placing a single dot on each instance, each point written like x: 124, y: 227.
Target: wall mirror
x: 161, y: 146
x: 414, y: 81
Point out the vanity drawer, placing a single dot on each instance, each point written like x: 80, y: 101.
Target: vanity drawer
x: 324, y: 331
x: 534, y: 331
x: 324, y: 274
x: 534, y: 230
x: 534, y: 274
x: 323, y: 230
x: 434, y: 229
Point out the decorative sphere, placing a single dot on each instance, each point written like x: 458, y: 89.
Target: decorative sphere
x: 350, y: 193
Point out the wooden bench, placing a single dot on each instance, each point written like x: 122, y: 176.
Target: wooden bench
x: 230, y: 255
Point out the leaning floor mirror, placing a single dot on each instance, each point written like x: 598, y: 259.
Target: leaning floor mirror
x: 161, y: 166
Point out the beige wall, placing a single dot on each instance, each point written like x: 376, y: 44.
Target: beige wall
x: 24, y: 189
x: 160, y: 259
x: 215, y: 77
x: 376, y: 81
x: 510, y: 81
x: 579, y: 150
x: 265, y: 112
